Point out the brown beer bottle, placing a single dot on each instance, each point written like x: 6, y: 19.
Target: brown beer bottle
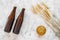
x: 18, y: 23
x: 10, y: 21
